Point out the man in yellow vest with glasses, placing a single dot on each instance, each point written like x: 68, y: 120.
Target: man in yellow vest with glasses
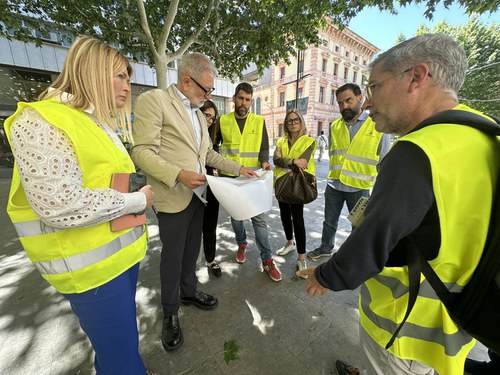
x: 355, y: 150
x: 244, y: 139
x: 435, y: 186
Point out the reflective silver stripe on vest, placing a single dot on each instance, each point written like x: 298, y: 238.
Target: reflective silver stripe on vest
x: 232, y: 151
x: 399, y: 289
x: 335, y: 167
x: 34, y: 228
x: 90, y: 257
x: 249, y: 155
x: 339, y: 151
x: 361, y: 159
x: 359, y: 176
x: 452, y: 343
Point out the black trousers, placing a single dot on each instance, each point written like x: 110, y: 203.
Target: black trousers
x: 180, y: 234
x: 210, y: 226
x: 292, y: 218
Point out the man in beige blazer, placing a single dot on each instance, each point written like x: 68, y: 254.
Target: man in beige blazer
x: 172, y: 147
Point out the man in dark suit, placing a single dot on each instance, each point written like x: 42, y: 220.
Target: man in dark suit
x: 172, y: 146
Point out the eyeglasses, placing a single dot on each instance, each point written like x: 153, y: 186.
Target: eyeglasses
x: 370, y: 89
x: 291, y: 121
x: 206, y: 91
x: 209, y: 117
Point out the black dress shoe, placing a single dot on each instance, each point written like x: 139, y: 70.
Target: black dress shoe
x: 201, y: 300
x: 171, y: 336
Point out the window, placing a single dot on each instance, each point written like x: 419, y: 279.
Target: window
x: 282, y: 99
x: 325, y: 64
x: 346, y: 53
x: 300, y: 92
x: 332, y: 97
x: 282, y: 72
x: 337, y: 49
x: 257, y: 106
x: 335, y: 69
x: 320, y: 127
x: 321, y: 94
x: 354, y: 77
x: 364, y: 62
x: 356, y: 58
x: 346, y: 73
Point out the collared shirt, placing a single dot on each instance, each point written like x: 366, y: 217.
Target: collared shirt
x: 192, y: 114
x: 383, y: 149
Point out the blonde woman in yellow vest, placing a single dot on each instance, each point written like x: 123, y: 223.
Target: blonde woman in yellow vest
x: 432, y: 186
x: 66, y: 151
x: 294, y: 148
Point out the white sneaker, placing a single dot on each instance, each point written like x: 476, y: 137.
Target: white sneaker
x: 301, y: 265
x: 289, y: 247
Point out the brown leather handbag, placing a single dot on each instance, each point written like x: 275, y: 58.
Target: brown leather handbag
x: 296, y: 187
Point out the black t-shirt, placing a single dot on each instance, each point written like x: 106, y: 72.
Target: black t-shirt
x: 402, y: 202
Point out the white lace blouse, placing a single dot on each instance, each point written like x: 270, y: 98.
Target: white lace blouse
x: 52, y: 178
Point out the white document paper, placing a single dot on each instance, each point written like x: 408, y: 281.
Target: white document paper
x: 242, y: 197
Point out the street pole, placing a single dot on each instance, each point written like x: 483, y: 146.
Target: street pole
x: 298, y: 79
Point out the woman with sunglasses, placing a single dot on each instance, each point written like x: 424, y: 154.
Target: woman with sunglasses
x: 212, y: 208
x: 296, y: 148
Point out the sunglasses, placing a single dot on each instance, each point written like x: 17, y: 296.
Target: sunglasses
x: 292, y: 121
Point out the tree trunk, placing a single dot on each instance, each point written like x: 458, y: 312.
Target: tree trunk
x: 161, y: 73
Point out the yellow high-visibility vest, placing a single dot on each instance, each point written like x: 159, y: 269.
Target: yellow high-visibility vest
x: 429, y: 335
x: 354, y: 163
x: 242, y: 148
x: 75, y: 260
x: 298, y: 148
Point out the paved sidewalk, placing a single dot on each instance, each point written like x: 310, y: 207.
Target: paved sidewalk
x: 277, y: 328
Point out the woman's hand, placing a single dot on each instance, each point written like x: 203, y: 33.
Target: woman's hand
x: 301, y: 163
x: 277, y: 153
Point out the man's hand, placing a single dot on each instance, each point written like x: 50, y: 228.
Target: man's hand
x: 247, y: 172
x: 150, y: 195
x: 190, y: 179
x: 266, y: 166
x: 313, y: 287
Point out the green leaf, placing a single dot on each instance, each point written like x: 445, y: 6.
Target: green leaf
x: 230, y: 351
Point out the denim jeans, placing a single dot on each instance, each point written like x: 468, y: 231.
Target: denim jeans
x: 261, y: 235
x: 334, y: 202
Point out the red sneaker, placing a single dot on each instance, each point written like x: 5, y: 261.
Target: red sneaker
x: 273, y: 271
x: 241, y: 254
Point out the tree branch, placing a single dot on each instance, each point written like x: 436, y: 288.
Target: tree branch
x: 145, y: 28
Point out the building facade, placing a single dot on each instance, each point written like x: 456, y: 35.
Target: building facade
x: 342, y: 57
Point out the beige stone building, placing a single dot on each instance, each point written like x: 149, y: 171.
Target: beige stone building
x: 343, y: 56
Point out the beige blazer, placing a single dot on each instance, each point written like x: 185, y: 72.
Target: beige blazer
x: 165, y: 143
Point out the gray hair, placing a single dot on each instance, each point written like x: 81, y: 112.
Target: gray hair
x: 444, y: 56
x: 195, y: 64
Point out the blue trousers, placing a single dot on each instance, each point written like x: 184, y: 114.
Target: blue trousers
x: 107, y: 314
x: 261, y: 235
x: 334, y: 202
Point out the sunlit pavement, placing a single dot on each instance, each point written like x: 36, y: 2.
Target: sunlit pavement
x: 275, y: 327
